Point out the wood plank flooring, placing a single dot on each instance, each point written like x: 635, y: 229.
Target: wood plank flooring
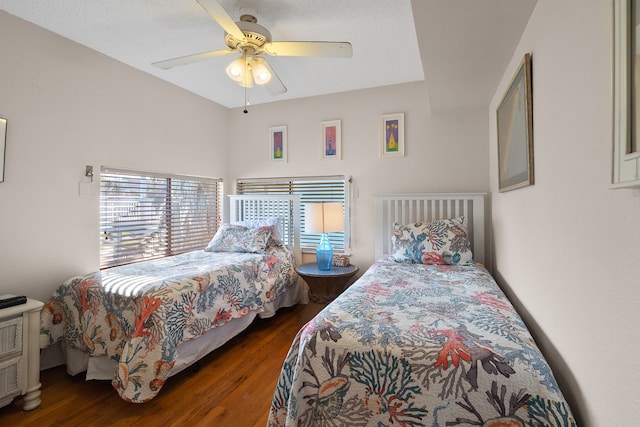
x: 233, y: 387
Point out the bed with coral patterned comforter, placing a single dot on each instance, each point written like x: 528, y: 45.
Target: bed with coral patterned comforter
x: 418, y: 345
x: 139, y: 314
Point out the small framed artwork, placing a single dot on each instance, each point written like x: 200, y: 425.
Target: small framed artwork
x: 3, y: 139
x: 278, y: 143
x: 331, y: 140
x: 392, y: 135
x: 515, y: 131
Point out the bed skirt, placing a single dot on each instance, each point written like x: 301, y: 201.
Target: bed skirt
x: 189, y: 352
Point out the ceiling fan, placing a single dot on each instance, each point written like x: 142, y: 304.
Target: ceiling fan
x: 252, y: 40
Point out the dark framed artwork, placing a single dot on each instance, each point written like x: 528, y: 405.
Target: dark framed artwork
x: 515, y: 131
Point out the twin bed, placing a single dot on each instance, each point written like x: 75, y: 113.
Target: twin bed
x: 424, y: 338
x: 141, y: 323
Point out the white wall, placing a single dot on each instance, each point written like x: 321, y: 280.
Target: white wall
x: 68, y: 106
x: 567, y: 247
x: 447, y: 152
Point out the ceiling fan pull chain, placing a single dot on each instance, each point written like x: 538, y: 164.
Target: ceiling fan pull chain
x: 245, y: 101
x: 247, y: 73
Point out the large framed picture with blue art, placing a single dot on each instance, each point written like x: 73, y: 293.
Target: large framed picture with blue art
x: 331, y: 140
x: 515, y: 131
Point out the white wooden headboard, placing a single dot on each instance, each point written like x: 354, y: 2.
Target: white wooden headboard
x: 409, y: 208
x: 286, y: 207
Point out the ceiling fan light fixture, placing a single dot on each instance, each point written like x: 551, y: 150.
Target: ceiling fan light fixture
x: 247, y: 81
x: 236, y: 70
x: 260, y: 71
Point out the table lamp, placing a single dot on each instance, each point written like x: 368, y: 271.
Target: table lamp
x: 323, y: 218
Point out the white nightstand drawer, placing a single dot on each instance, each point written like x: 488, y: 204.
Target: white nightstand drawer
x: 10, y: 337
x: 11, y: 377
x: 19, y: 354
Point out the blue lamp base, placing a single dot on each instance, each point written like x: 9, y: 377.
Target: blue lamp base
x: 324, y: 253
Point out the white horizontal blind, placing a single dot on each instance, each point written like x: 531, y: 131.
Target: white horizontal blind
x: 146, y: 215
x: 310, y: 189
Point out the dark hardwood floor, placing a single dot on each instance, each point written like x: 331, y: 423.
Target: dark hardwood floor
x: 233, y: 387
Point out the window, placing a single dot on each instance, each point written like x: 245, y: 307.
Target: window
x: 626, y: 106
x: 146, y: 215
x: 310, y: 189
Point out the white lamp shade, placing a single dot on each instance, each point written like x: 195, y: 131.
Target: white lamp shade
x: 236, y: 70
x: 247, y: 81
x: 260, y: 71
x: 323, y: 218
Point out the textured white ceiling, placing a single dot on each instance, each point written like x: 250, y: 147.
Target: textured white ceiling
x: 139, y: 32
x: 462, y: 45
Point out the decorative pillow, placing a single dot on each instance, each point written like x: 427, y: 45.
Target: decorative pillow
x: 274, y: 223
x: 438, y: 242
x: 236, y: 238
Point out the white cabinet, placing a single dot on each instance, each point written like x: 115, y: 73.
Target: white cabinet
x: 20, y: 354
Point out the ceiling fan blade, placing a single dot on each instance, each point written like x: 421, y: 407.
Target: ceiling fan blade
x: 334, y: 49
x: 189, y: 59
x: 221, y: 16
x: 275, y: 85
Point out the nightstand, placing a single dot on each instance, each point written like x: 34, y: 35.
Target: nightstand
x: 324, y: 286
x: 20, y: 354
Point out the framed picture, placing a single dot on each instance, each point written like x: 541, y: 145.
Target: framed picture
x: 278, y: 143
x: 3, y: 139
x: 515, y: 131
x: 392, y: 135
x: 331, y: 140
x: 626, y: 95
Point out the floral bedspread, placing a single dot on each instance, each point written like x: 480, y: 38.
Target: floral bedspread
x: 418, y: 345
x: 138, y: 314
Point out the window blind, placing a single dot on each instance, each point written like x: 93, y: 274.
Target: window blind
x: 146, y: 215
x: 310, y: 189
